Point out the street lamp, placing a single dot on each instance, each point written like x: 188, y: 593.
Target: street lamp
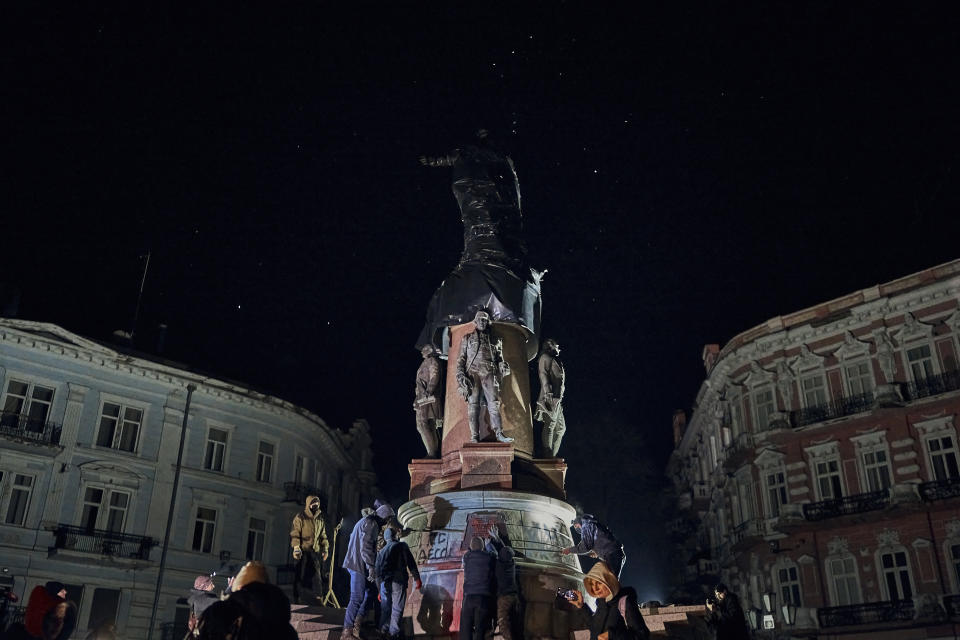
x: 789, y: 611
x: 769, y: 605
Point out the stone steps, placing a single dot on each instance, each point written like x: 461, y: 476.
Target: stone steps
x: 316, y: 623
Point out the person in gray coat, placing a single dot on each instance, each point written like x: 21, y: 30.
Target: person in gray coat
x: 361, y: 562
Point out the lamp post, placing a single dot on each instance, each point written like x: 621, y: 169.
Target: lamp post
x: 769, y: 606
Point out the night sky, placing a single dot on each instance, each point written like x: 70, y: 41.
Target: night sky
x: 688, y: 171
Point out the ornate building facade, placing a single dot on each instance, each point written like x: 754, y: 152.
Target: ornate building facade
x: 89, y: 442
x: 821, y: 465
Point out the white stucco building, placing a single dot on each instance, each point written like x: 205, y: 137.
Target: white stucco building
x: 89, y: 437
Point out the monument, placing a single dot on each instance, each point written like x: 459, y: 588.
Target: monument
x: 483, y: 322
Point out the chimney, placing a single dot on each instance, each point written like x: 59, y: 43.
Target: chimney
x: 679, y: 426
x: 161, y: 337
x: 710, y: 354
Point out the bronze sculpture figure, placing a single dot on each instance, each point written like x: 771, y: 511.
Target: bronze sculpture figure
x: 480, y: 368
x: 549, y: 407
x: 492, y: 273
x: 428, y: 401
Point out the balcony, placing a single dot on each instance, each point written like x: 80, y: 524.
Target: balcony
x: 298, y: 492
x: 848, y: 505
x: 933, y: 385
x: 24, y: 428
x: 738, y: 451
x: 869, y: 613
x: 940, y: 489
x: 98, y: 541
x: 838, y: 408
x: 747, y: 532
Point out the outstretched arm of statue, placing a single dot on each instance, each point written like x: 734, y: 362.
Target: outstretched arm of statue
x: 439, y: 161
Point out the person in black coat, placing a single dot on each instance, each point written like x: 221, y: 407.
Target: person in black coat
x: 726, y: 615
x: 617, y: 616
x: 478, y: 590
x: 509, y: 613
x: 597, y: 541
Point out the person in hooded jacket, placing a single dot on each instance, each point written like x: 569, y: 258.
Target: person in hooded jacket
x: 361, y: 561
x: 393, y: 563
x: 726, y: 615
x: 617, y: 615
x: 478, y: 591
x: 254, y: 610
x: 598, y: 542
x: 308, y: 538
x: 48, y: 616
x: 200, y: 598
x: 509, y: 612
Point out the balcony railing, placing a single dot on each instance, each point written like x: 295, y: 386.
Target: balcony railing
x: 172, y: 631
x: 298, y: 492
x: 23, y: 427
x: 838, y: 408
x: 848, y: 505
x: 286, y: 573
x: 951, y: 604
x: 108, y: 543
x: 933, y: 385
x: 940, y: 489
x: 869, y: 613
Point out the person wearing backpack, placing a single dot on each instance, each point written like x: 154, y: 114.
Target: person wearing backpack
x: 617, y: 616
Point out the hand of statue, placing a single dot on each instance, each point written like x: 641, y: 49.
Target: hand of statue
x: 297, y: 553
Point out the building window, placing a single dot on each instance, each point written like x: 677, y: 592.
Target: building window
x: 119, y: 426
x: 828, y: 479
x: 859, y: 379
x: 920, y: 361
x: 896, y: 575
x: 776, y: 492
x: 203, y: 529
x: 943, y: 458
x: 103, y: 607
x: 26, y: 406
x: 256, y: 535
x: 19, y: 499
x: 955, y: 561
x: 843, y: 580
x: 736, y: 416
x: 876, y: 469
x: 216, y: 449
x: 265, y: 461
x: 299, y: 467
x: 814, y: 390
x: 745, y: 500
x: 789, y: 580
x: 764, y: 406
x: 109, y: 516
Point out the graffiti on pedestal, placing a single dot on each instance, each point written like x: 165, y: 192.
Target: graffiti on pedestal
x: 441, y: 546
x: 479, y: 524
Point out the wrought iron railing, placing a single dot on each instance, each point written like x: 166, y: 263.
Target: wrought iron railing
x: 108, y: 543
x: 951, y: 604
x: 837, y: 408
x: 173, y: 631
x: 940, y: 489
x: 23, y: 427
x: 868, y: 613
x: 847, y: 505
x: 298, y: 492
x: 286, y: 573
x: 933, y: 385
x: 747, y: 529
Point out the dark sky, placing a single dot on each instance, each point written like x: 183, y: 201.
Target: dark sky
x: 688, y: 171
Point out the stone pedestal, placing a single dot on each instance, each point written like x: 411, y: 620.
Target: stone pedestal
x: 441, y: 527
x: 515, y: 410
x: 486, y: 465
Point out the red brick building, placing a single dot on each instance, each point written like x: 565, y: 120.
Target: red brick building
x: 821, y: 465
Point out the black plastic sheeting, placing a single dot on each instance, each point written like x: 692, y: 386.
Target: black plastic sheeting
x: 493, y: 272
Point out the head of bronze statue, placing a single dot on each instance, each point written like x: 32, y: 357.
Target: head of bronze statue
x: 427, y: 350
x: 551, y: 346
x: 482, y: 320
